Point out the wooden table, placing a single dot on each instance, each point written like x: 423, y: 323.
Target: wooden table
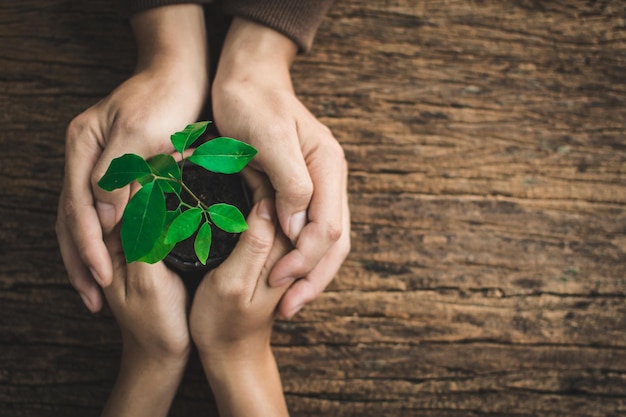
x: 487, y: 151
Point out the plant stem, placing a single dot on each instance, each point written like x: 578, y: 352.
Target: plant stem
x: 184, y: 186
x: 200, y: 203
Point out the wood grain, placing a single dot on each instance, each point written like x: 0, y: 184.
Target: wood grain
x: 488, y: 197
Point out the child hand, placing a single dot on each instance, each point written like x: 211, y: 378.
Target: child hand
x: 231, y: 321
x: 234, y: 306
x: 149, y: 304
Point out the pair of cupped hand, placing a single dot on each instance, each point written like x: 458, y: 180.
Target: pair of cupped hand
x: 232, y: 308
x: 256, y: 103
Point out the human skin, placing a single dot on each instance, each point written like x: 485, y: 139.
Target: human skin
x: 149, y: 303
x: 254, y: 100
x: 230, y: 322
x: 167, y: 90
x: 255, y: 103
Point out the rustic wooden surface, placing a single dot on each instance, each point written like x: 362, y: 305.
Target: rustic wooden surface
x: 487, y: 147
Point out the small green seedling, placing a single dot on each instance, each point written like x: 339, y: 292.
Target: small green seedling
x: 149, y: 231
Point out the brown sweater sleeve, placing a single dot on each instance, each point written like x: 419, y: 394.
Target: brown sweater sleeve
x: 298, y: 20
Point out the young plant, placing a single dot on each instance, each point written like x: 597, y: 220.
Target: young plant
x: 149, y: 231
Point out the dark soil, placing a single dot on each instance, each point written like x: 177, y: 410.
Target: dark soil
x: 211, y: 188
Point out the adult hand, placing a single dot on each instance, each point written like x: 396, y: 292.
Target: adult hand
x: 149, y: 304
x: 231, y: 321
x: 253, y: 100
x: 166, y: 92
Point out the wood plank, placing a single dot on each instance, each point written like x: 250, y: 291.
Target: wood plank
x: 488, y: 197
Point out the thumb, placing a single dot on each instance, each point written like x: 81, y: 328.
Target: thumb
x: 244, y: 265
x: 292, y: 182
x: 110, y: 205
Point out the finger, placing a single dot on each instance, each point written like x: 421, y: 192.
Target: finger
x: 117, y: 291
x: 145, y: 281
x: 289, y: 177
x: 138, y: 281
x: 78, y: 274
x: 262, y: 188
x: 77, y: 214
x: 110, y: 204
x: 263, y: 291
x: 240, y: 271
x: 308, y: 288
x: 132, y: 280
x: 258, y: 183
x: 329, y: 172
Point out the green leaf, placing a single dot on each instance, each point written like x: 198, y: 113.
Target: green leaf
x: 228, y: 218
x: 146, y: 179
x: 124, y: 170
x: 223, y: 155
x: 142, y: 221
x: 185, y: 138
x: 165, y: 166
x: 161, y: 249
x: 202, y: 244
x: 184, y: 225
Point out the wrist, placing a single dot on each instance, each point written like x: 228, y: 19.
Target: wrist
x: 165, y: 360
x: 145, y: 385
x: 172, y: 38
x: 245, y: 384
x: 221, y: 362
x: 251, y: 49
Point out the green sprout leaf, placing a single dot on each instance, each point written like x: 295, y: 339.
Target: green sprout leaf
x: 228, y: 218
x: 185, y: 138
x: 143, y: 221
x: 202, y: 244
x: 124, y: 170
x: 149, y: 232
x: 165, y: 166
x: 184, y: 225
x: 161, y: 249
x: 223, y: 155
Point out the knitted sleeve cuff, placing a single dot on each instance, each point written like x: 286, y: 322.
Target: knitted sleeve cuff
x: 298, y: 20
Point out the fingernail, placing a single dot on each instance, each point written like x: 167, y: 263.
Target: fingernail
x: 281, y: 282
x: 87, y: 302
x: 266, y: 210
x: 294, y: 311
x: 96, y: 276
x: 106, y: 214
x: 296, y: 224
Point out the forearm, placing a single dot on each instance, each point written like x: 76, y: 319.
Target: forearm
x: 246, y: 385
x: 144, y: 387
x: 172, y: 37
